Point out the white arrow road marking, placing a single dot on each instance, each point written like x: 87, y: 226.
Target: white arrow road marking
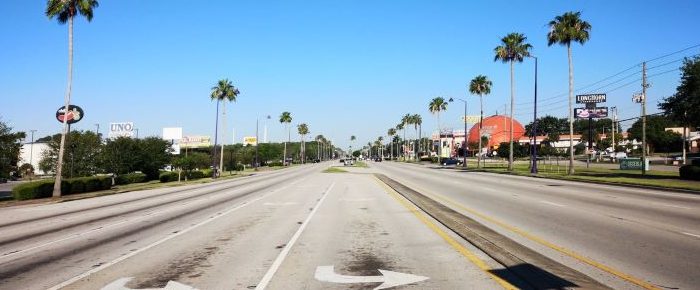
x: 388, y: 279
x: 120, y: 284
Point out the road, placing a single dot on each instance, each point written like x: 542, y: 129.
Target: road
x: 296, y: 228
x: 300, y: 228
x: 651, y: 237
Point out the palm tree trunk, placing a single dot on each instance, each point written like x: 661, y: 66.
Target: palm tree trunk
x: 223, y: 137
x: 420, y: 140
x: 284, y: 158
x: 415, y: 145
x: 512, y: 104
x: 61, y: 150
x: 481, y: 121
x: 571, y: 111
x: 216, y: 141
x: 439, y: 139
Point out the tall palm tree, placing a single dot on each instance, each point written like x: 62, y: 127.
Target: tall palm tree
x: 480, y: 86
x: 65, y: 11
x: 436, y: 106
x: 418, y: 121
x: 391, y: 132
x: 405, y: 120
x: 381, y: 146
x: 399, y: 127
x: 319, y: 141
x: 303, y: 130
x: 513, y: 49
x: 231, y: 97
x: 352, y: 142
x: 369, y: 153
x: 223, y: 90
x: 563, y: 30
x: 285, y: 119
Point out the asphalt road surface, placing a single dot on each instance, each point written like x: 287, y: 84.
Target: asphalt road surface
x: 299, y: 228
x: 627, y: 238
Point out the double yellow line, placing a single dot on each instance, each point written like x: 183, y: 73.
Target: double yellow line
x: 627, y: 277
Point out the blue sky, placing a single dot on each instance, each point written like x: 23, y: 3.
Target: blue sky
x: 343, y: 67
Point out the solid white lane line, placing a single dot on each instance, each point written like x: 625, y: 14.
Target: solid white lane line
x: 163, y: 240
x: 692, y: 235
x: 280, y: 258
x: 675, y: 206
x: 552, y: 203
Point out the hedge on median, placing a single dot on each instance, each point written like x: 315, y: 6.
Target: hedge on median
x: 44, y: 188
x: 130, y: 178
x: 169, y: 176
x: 690, y: 172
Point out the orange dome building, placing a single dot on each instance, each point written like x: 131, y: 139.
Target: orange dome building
x: 497, y: 129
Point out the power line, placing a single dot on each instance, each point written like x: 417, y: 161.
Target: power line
x: 675, y: 52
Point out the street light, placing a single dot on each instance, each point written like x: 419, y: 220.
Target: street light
x: 533, y: 168
x: 465, y: 131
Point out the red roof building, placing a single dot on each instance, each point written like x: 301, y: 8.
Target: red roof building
x: 497, y: 129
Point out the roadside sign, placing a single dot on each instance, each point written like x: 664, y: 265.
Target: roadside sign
x: 591, y: 98
x: 252, y: 141
x: 633, y: 164
x: 473, y: 119
x: 584, y: 113
x: 195, y: 141
x: 73, y: 115
x: 122, y: 129
x: 638, y: 98
x: 173, y: 133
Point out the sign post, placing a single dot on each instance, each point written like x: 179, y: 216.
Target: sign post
x: 590, y: 112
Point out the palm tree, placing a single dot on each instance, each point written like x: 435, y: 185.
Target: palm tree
x: 399, y: 127
x: 436, y: 106
x: 369, y: 153
x: 303, y: 130
x: 480, y: 86
x: 65, y: 11
x: 319, y: 141
x: 352, y: 142
x: 231, y: 97
x: 513, y: 48
x: 223, y: 90
x: 405, y: 120
x: 563, y: 30
x: 391, y: 132
x: 286, y: 118
x: 381, y: 146
x: 418, y: 122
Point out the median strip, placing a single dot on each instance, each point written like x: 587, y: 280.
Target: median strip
x: 537, y: 270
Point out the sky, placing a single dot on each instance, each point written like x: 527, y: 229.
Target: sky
x: 345, y: 67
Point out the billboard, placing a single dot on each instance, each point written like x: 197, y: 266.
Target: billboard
x: 195, y: 141
x: 73, y: 115
x: 471, y: 119
x: 252, y: 141
x: 591, y: 98
x: 123, y: 129
x: 583, y: 113
x: 174, y: 133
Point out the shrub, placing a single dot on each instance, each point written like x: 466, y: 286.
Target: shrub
x: 690, y: 172
x: 168, y: 176
x: 44, y: 188
x: 130, y: 178
x: 270, y: 164
x: 195, y: 174
x: 206, y: 172
x: 695, y: 162
x: 32, y: 190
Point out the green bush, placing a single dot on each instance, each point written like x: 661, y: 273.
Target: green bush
x: 196, y: 174
x: 206, y: 172
x: 270, y: 164
x: 32, y: 190
x: 44, y: 188
x: 130, y: 178
x: 168, y: 176
x: 690, y: 172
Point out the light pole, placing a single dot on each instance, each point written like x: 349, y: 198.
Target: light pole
x: 465, y: 131
x: 97, y: 130
x: 257, y: 121
x: 533, y: 168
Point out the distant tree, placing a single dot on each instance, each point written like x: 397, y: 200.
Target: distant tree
x: 436, y: 106
x: 684, y: 105
x: 417, y: 122
x: 303, y: 130
x: 118, y: 156
x: 513, y: 49
x: 658, y: 139
x: 286, y: 118
x: 391, y: 132
x: 9, y: 149
x: 191, y: 162
x: 565, y: 29
x: 152, y: 155
x: 549, y: 126
x: 480, y: 86
x: 519, y: 151
x: 26, y: 170
x: 222, y: 91
x: 82, y: 155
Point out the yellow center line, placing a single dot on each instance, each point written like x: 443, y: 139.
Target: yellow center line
x: 570, y: 253
x: 454, y: 244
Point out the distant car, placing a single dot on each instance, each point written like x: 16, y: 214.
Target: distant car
x: 377, y: 159
x: 451, y: 161
x: 317, y: 160
x: 3, y: 180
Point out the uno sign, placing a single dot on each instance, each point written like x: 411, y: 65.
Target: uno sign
x: 124, y: 129
x: 72, y: 116
x: 591, y: 98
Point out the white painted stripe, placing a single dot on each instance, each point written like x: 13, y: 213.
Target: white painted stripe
x: 163, y: 240
x: 673, y: 205
x: 280, y: 258
x: 692, y: 235
x: 552, y: 203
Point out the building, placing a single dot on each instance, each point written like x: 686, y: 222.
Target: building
x: 31, y: 153
x: 496, y: 128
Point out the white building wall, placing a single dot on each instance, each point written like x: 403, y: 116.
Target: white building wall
x: 32, y: 152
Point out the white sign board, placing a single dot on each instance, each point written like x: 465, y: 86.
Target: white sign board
x: 252, y: 141
x: 174, y: 133
x: 471, y: 119
x: 123, y: 129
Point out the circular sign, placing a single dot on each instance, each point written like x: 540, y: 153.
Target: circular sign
x: 71, y: 116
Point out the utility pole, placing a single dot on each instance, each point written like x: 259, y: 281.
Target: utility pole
x: 614, y: 121
x: 257, y: 120
x: 31, y: 153
x: 644, y: 117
